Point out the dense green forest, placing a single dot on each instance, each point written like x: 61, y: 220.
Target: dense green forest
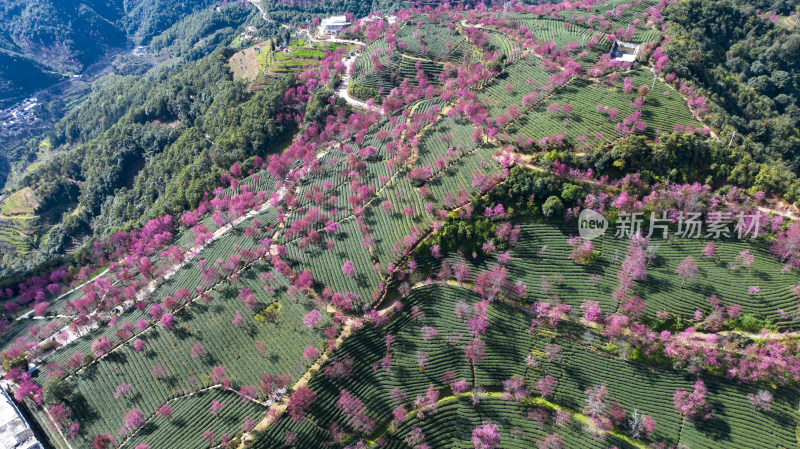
x: 746, y: 65
x: 305, y: 10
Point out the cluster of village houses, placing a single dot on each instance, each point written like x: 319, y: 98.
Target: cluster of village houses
x: 19, y: 117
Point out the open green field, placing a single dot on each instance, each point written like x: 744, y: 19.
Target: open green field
x: 299, y: 54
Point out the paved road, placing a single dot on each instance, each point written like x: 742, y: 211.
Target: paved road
x: 342, y: 92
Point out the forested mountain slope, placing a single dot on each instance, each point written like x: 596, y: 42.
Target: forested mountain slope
x: 745, y: 57
x: 66, y: 36
x: 132, y: 125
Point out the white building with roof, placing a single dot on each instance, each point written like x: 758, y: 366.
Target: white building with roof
x: 332, y: 25
x: 625, y: 51
x: 15, y: 433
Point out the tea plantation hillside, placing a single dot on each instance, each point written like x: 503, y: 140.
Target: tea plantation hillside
x: 414, y: 269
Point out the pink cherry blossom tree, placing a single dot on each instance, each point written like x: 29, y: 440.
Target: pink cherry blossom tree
x: 312, y: 319
x: 745, y: 259
x: 761, y: 400
x: 134, y: 419
x: 710, y: 250
x: 348, y: 269
x: 687, y: 269
x: 165, y: 411
x: 546, y: 386
x: 693, y: 405
x: 486, y: 436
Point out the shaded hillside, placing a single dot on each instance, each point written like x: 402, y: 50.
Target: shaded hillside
x: 68, y: 36
x: 20, y: 75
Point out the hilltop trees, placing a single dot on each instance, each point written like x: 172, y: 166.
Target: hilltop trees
x: 757, y: 83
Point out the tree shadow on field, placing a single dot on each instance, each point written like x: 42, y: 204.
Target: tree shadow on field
x: 91, y: 371
x: 715, y: 428
x: 171, y: 380
x: 147, y: 429
x: 647, y: 113
x: 654, y: 285
x: 181, y: 332
x: 567, y: 289
x: 228, y: 291
x: 200, y: 307
x: 362, y: 280
x: 658, y: 261
x: 307, y: 306
x: 781, y: 420
x: 248, y: 274
x: 134, y: 398
x: 496, y: 414
x: 342, y: 237
x: 210, y: 360
x: 81, y: 410
x: 117, y: 357
x: 500, y: 340
x: 762, y: 275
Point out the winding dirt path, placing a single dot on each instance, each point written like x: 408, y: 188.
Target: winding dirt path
x: 343, y: 89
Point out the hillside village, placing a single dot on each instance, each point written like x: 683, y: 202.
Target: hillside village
x: 18, y: 118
